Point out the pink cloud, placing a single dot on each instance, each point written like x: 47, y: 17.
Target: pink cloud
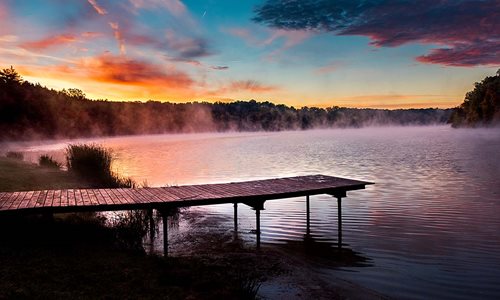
x: 97, y: 7
x: 48, y: 42
x: 118, y: 36
x: 464, y: 55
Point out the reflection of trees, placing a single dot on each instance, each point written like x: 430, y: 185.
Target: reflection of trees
x: 481, y: 105
x: 29, y: 111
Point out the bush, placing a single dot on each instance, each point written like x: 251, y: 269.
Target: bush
x: 93, y: 162
x: 14, y: 155
x: 49, y: 162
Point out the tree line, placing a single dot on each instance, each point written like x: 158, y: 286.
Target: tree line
x: 31, y: 111
x: 481, y: 106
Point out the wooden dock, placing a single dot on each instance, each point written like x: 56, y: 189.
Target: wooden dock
x: 253, y: 193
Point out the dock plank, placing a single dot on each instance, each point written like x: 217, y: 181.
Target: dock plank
x: 186, y: 195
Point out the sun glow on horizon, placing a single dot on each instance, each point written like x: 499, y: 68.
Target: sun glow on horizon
x: 185, y: 51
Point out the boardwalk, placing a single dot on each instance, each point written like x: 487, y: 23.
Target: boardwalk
x: 252, y: 193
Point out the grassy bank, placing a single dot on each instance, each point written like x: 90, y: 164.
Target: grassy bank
x: 77, y: 256
x: 18, y: 175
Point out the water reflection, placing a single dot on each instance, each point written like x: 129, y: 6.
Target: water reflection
x: 430, y: 224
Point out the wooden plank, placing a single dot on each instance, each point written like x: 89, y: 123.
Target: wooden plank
x: 40, y: 201
x: 163, y: 195
x: 19, y: 199
x: 123, y: 196
x: 194, y: 193
x: 7, y: 200
x: 85, y: 197
x: 108, y: 198
x: 78, y: 197
x: 92, y: 197
x: 105, y: 197
x: 31, y: 201
x: 176, y: 192
x: 205, y: 193
x: 117, y: 197
x: 148, y: 193
x: 65, y: 198
x: 140, y: 195
x: 49, y: 199
x: 56, y: 200
x: 188, y: 194
x: 71, y: 197
x: 131, y: 198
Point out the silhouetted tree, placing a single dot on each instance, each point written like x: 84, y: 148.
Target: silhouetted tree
x: 10, y: 76
x: 31, y: 111
x: 481, y: 106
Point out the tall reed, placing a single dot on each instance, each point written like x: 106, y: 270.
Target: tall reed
x: 93, y: 163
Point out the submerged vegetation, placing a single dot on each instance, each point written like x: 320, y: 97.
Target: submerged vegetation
x: 481, y: 106
x: 31, y: 111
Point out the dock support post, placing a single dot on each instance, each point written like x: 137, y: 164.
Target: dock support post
x: 235, y: 218
x: 339, y: 207
x: 308, y: 219
x: 257, y: 218
x: 151, y: 224
x: 164, y: 217
x: 165, y: 235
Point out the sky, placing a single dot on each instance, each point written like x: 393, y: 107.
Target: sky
x: 369, y: 53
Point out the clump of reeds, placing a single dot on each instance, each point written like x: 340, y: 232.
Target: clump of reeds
x: 14, y: 155
x: 48, y: 162
x: 93, y: 162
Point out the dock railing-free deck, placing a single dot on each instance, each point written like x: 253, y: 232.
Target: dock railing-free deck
x: 252, y: 193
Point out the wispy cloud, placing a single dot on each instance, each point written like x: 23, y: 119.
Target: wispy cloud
x: 219, y: 68
x: 99, y: 9
x: 8, y: 38
x: 329, y: 68
x: 175, y: 7
x: 118, y: 36
x: 51, y: 41
x: 463, y: 26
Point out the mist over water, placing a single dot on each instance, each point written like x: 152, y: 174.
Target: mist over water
x: 429, y: 226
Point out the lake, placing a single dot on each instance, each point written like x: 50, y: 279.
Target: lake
x: 429, y: 227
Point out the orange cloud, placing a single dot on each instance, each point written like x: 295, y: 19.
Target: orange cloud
x: 91, y: 34
x: 48, y: 42
x: 121, y: 70
x: 116, y: 78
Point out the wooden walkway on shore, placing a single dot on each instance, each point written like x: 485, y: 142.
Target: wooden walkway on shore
x: 253, y: 193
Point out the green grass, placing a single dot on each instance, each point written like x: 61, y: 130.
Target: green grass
x: 75, y: 256
x: 17, y: 175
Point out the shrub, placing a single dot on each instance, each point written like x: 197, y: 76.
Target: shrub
x: 15, y: 155
x: 93, y: 162
x: 49, y: 162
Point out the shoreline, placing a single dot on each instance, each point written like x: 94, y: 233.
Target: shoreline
x: 284, y: 274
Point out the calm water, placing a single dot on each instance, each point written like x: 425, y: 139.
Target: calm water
x: 430, y: 226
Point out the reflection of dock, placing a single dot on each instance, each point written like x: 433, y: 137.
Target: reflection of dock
x: 252, y: 193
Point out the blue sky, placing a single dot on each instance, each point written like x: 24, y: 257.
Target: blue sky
x: 372, y: 53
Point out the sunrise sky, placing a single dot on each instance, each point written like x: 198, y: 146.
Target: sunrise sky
x: 377, y: 53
